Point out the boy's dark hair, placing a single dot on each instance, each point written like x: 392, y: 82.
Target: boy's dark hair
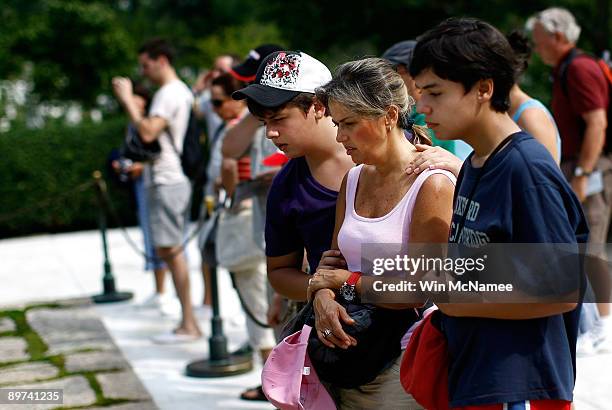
x: 157, y: 47
x: 522, y: 51
x: 466, y: 50
x: 229, y: 83
x: 302, y: 101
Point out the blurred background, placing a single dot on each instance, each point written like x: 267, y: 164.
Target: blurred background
x: 59, y: 120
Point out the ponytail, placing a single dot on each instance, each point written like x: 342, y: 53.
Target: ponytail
x: 420, y: 133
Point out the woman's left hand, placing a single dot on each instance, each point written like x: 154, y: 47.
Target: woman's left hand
x: 326, y: 279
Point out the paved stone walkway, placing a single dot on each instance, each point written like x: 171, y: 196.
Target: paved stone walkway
x: 66, y: 346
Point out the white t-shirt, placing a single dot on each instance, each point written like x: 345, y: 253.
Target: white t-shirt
x: 171, y: 102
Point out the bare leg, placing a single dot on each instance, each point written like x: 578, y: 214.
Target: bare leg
x: 160, y: 276
x: 604, y: 309
x: 180, y: 276
x: 207, y: 286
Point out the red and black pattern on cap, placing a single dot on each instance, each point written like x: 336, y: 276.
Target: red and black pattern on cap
x: 281, y: 71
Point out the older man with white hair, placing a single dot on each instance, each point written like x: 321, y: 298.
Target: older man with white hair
x: 580, y: 100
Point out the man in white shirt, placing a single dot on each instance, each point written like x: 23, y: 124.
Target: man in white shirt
x: 168, y: 189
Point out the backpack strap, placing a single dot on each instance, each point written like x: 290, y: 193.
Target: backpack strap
x: 563, y: 68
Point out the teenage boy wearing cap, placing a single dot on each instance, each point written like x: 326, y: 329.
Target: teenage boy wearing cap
x: 302, y: 200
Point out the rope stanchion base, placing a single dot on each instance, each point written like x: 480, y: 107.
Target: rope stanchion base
x: 231, y: 366
x: 112, y: 297
x: 220, y: 363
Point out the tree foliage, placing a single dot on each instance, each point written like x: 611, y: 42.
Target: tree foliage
x: 77, y: 46
x: 68, y: 50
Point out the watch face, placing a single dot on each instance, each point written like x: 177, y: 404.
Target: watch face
x: 348, y: 292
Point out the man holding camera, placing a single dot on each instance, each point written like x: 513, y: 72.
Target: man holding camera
x: 168, y: 189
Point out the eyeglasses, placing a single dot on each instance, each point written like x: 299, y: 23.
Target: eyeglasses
x: 217, y: 103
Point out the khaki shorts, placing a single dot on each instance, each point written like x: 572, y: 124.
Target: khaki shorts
x: 383, y: 393
x: 168, y: 213
x: 598, y: 207
x: 597, y: 210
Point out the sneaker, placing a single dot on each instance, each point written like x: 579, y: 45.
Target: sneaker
x: 602, y: 339
x: 584, y: 345
x: 152, y: 302
x: 170, y: 306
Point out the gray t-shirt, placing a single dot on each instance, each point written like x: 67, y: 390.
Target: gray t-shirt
x: 171, y: 102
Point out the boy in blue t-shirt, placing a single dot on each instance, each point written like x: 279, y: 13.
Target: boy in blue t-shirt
x: 301, y: 206
x: 500, y: 355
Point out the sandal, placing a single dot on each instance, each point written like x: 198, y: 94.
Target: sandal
x: 254, y: 394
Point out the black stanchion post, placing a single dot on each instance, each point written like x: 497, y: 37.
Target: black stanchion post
x: 110, y: 294
x: 220, y: 363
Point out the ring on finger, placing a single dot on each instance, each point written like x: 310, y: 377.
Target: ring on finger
x: 327, y: 333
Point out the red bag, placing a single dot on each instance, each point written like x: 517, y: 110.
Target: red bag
x: 424, y: 368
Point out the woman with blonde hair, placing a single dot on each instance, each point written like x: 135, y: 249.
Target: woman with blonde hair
x: 378, y: 203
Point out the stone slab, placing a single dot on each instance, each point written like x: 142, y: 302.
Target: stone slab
x: 77, y: 392
x: 123, y: 385
x: 13, y: 349
x: 93, y: 361
x: 27, y: 372
x: 7, y: 325
x: 65, y: 330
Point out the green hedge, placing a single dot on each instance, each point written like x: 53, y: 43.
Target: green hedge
x: 39, y: 166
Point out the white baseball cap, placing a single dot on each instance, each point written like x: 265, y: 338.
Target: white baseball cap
x: 282, y: 76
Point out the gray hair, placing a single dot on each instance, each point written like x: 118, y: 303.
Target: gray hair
x: 368, y: 87
x: 556, y: 20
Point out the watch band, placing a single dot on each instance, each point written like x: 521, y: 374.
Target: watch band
x: 347, y: 290
x: 353, y: 279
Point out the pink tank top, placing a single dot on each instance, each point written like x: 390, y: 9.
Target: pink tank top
x: 392, y: 228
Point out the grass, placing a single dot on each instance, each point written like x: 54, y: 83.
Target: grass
x: 36, y: 346
x: 37, y: 349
